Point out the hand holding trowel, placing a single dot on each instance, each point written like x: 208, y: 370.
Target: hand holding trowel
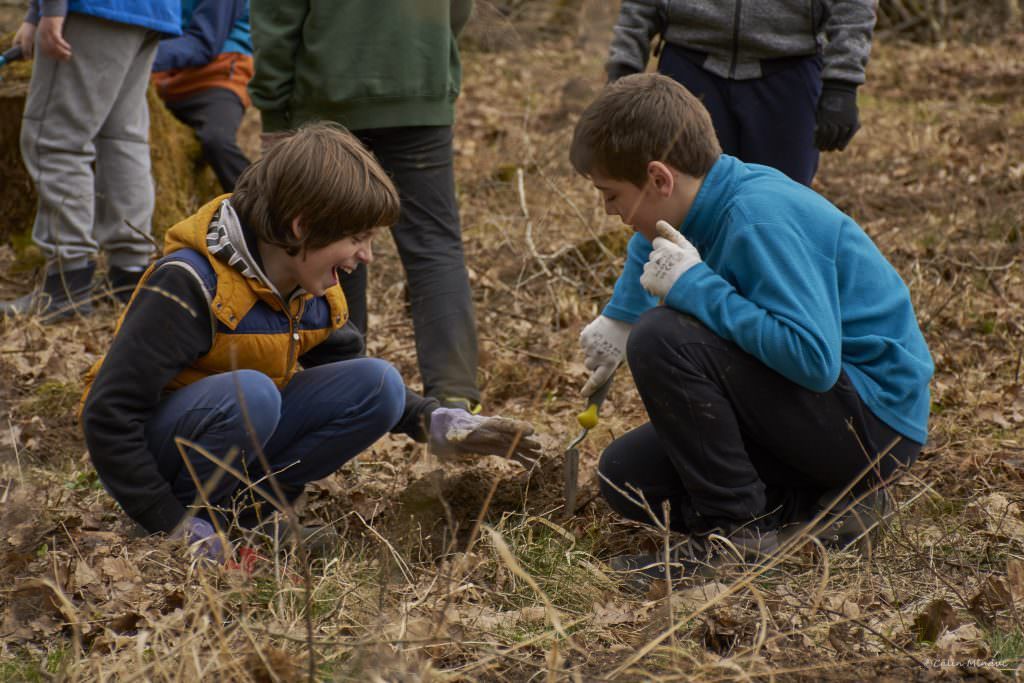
x: 588, y: 419
x: 604, y: 347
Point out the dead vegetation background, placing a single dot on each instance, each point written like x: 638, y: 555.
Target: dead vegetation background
x: 460, y: 571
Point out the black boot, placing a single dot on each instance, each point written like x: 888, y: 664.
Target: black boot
x: 123, y: 282
x: 857, y: 519
x: 259, y: 523
x: 470, y: 406
x: 275, y: 532
x: 63, y: 294
x: 700, y: 557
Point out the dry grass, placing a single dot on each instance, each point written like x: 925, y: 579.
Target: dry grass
x: 430, y: 585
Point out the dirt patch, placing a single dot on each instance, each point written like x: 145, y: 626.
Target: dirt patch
x: 443, y: 504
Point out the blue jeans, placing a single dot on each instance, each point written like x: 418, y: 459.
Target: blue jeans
x: 768, y: 120
x: 324, y: 417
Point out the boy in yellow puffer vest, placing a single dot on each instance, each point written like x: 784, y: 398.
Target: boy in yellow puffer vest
x: 237, y: 344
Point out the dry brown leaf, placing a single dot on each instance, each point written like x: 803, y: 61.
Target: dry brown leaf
x: 125, y: 623
x: 612, y: 614
x: 120, y: 570
x: 692, y: 599
x: 1015, y: 578
x: 995, y: 416
x: 937, y: 617
x: 966, y: 641
x: 487, y: 619
x: 1002, y: 517
x: 992, y: 596
x: 87, y: 578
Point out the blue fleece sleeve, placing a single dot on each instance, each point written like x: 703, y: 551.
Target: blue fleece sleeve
x: 629, y: 299
x: 783, y: 308
x: 202, y: 38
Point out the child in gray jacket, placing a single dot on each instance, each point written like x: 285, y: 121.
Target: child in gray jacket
x: 779, y: 77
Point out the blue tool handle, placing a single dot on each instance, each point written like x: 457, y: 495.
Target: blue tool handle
x: 598, y: 397
x: 12, y: 55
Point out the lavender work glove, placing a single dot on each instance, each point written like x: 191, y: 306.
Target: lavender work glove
x: 453, y: 431
x: 201, y: 539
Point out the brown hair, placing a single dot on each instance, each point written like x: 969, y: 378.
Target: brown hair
x: 639, y: 119
x: 322, y: 175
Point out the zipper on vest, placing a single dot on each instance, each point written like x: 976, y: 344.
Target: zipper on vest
x: 735, y: 38
x: 293, y: 339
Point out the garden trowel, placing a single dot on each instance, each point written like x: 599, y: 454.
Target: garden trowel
x: 588, y: 419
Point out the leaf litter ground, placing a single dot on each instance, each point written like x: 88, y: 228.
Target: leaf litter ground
x: 462, y: 570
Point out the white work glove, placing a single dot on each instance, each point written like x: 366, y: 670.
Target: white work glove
x: 604, y: 346
x: 672, y: 256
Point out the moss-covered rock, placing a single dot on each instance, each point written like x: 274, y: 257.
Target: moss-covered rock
x: 182, y: 181
x: 17, y: 196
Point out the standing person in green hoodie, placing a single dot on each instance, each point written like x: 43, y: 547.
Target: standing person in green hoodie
x: 388, y: 71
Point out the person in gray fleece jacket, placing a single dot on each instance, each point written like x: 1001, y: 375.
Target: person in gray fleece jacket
x: 779, y: 77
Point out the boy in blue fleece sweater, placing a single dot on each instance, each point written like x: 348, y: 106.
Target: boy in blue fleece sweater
x: 785, y: 368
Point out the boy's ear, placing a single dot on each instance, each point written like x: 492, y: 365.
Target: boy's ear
x: 297, y: 229
x: 661, y: 178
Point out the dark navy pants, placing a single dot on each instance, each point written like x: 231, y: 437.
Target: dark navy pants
x: 732, y: 442
x: 768, y: 120
x: 429, y: 239
x: 215, y: 114
x: 324, y: 417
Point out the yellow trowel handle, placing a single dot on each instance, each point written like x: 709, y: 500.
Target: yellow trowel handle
x: 588, y: 419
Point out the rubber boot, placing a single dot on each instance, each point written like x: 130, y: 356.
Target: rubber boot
x: 123, y: 282
x: 699, y: 557
x: 62, y: 295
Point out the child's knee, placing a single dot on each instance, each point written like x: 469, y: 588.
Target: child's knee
x: 389, y: 403
x: 659, y: 331
x: 258, y: 401
x: 215, y: 138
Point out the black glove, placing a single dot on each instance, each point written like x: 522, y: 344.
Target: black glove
x: 837, y: 119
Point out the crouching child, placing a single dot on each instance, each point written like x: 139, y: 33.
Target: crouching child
x: 774, y: 347
x: 233, y: 378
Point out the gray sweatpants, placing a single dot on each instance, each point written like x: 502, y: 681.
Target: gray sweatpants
x: 85, y: 143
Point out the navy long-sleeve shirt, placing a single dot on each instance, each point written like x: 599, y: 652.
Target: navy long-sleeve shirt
x: 202, y: 37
